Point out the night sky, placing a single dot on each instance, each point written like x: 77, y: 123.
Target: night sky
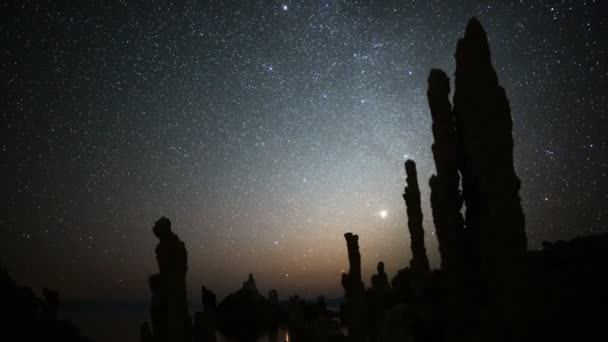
x: 265, y: 130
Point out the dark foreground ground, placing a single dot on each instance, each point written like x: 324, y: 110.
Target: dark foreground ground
x: 120, y: 323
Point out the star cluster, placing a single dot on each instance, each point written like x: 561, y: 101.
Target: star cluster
x: 267, y: 129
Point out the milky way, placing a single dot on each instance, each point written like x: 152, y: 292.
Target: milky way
x: 265, y: 130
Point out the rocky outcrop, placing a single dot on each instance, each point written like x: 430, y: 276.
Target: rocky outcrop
x: 169, y: 310
x: 245, y: 314
x: 570, y: 290
x: 380, y: 279
x: 26, y: 317
x: 250, y: 286
x: 205, y: 322
x: 446, y: 199
x: 378, y: 301
x: 458, y: 266
x: 354, y: 292
x: 209, y: 299
x: 490, y: 185
x: 419, y: 263
x: 482, y: 257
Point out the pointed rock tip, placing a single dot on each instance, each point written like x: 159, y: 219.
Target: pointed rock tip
x: 474, y: 47
x: 475, y: 33
x: 474, y: 28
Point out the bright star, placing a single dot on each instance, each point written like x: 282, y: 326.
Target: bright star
x: 383, y: 213
x: 285, y: 8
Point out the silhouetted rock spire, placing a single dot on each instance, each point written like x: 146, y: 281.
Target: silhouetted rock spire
x: 169, y: 307
x: 245, y: 314
x: 484, y: 126
x: 354, y: 259
x: 205, y: 322
x: 380, y: 280
x: 482, y: 257
x: 158, y: 308
x: 354, y: 290
x: 273, y: 297
x: 419, y: 262
x: 50, y: 305
x: 249, y: 285
x: 446, y: 199
x: 209, y: 299
x: 458, y: 268
x: 490, y: 185
x: 377, y: 301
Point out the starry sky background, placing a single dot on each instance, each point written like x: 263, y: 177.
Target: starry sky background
x: 267, y: 129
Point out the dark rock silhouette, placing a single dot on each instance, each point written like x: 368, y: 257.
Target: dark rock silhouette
x: 169, y: 310
x: 401, y: 286
x: 209, y: 299
x: 310, y: 321
x: 569, y: 290
x: 458, y: 266
x: 377, y: 300
x: 250, y: 286
x: 26, y: 317
x: 354, y: 292
x: 273, y: 297
x: 446, y: 199
x: 205, y: 322
x: 483, y: 259
x: 380, y: 279
x: 145, y: 333
x: 245, y: 314
x: 296, y: 320
x: 158, y: 308
x: 490, y: 185
x: 275, y: 307
x: 50, y: 305
x: 411, y: 195
x: 483, y: 121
